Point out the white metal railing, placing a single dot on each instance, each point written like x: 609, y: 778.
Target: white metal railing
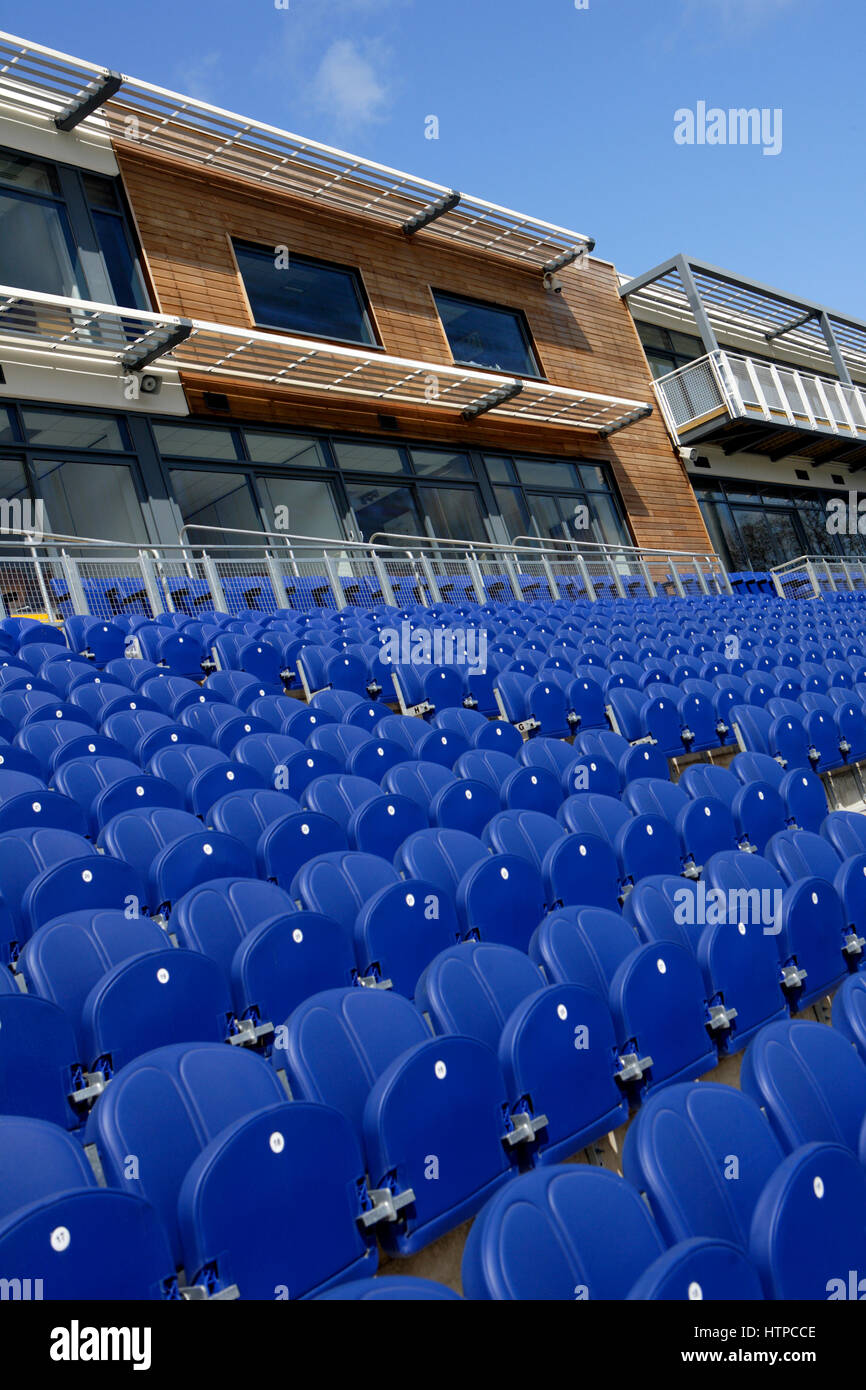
x: 58, y: 575
x: 726, y: 383
x: 813, y: 576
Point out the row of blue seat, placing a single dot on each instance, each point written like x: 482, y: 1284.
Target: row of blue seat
x: 753, y: 1194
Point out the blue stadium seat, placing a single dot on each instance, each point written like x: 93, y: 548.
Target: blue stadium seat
x: 398, y: 929
x: 849, y: 1012
x: 809, y: 1082
x: 816, y: 1202
x: 154, y: 1000
x: 41, y: 1074
x: 165, y: 1108
x: 560, y: 1233
x: 278, y: 1201
x: 102, y: 787
x: 283, y: 961
x: 373, y: 820
x: 65, y: 958
x: 215, y: 916
x: 561, y: 1087
x: 702, y: 1155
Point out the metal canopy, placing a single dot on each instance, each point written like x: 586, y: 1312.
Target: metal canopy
x: 71, y: 329
x: 735, y: 304
x: 169, y: 123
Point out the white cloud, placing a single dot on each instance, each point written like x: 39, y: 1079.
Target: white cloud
x: 201, y: 78
x: 349, y: 85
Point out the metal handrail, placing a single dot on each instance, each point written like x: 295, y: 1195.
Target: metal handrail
x: 614, y: 548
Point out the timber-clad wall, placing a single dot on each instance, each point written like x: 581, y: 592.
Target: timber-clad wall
x: 584, y: 338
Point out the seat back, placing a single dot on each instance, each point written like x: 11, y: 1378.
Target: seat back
x: 810, y: 1082
x: 165, y: 1107
x: 815, y: 1201
x: 559, y: 1233
x: 338, y: 1042
x: 702, y: 1155
x: 472, y: 988
x: 658, y: 1002
x: 445, y: 1099
x: 273, y: 1203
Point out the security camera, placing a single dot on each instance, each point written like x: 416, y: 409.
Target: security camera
x: 149, y: 384
x: 553, y: 282
x: 688, y: 455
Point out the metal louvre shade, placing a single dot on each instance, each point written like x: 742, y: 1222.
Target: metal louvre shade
x: 72, y: 328
x: 168, y: 123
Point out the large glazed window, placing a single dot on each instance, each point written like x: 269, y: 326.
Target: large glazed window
x: 485, y: 335
x: 98, y: 500
x: 304, y: 506
x: 384, y: 509
x: 215, y: 499
x: 115, y: 241
x: 312, y: 298
x: 66, y: 232
x: 37, y: 248
x: 564, y: 500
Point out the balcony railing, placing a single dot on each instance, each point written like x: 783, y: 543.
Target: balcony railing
x: 813, y: 576
x: 228, y: 571
x: 726, y: 386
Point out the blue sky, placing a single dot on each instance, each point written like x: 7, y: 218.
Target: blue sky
x: 564, y: 112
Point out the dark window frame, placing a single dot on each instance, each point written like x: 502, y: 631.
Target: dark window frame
x: 518, y: 315
x: 88, y: 258
x: 356, y: 276
x: 786, y: 504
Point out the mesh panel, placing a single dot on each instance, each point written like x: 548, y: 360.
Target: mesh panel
x: 35, y: 586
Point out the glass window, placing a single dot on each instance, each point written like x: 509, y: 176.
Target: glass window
x: 43, y: 223
x: 686, y: 345
x: 509, y: 500
x: 770, y: 537
x: 383, y: 509
x: 214, y: 499
x: 13, y: 482
x: 280, y: 448
x: 454, y: 513
x: 305, y: 296
x: 548, y: 515
x: 309, y: 504
x: 101, y: 192
x: 372, y: 458
x: 195, y: 441
x: 552, y: 475
x: 14, y: 489
x: 37, y: 250
x: 499, y: 470
x: 126, y: 281
x: 7, y: 432
x: 97, y: 500
x: 50, y: 430
x: 482, y: 335
x: 593, y: 477
x: 666, y: 351
x: 812, y: 515
x: 660, y: 366
x: 109, y: 220
x: 607, y: 521
x: 433, y: 463
x: 31, y: 174
x: 653, y: 336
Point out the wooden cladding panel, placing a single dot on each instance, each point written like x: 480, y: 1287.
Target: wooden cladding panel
x: 584, y: 338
